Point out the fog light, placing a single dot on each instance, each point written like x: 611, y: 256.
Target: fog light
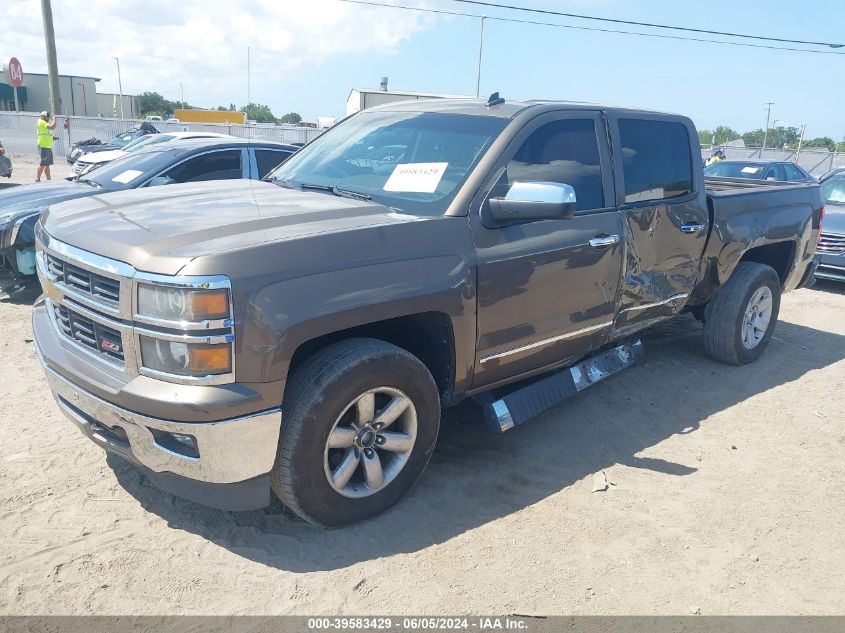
x: 185, y: 445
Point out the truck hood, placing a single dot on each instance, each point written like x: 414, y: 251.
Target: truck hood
x: 27, y: 198
x: 102, y: 157
x: 161, y: 229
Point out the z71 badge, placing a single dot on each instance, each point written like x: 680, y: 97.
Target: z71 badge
x: 109, y: 346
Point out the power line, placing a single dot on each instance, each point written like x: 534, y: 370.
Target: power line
x: 589, y: 28
x: 648, y: 24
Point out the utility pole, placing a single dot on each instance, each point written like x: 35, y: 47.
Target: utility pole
x: 183, y: 94
x: 119, y: 86
x: 52, y: 63
x: 480, y: 50
x: 768, y: 115
x: 800, y: 142
x: 248, y: 91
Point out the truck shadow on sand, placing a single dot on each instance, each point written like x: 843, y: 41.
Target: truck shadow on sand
x: 475, y: 478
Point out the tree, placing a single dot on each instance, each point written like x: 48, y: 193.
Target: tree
x: 291, y: 117
x: 705, y: 137
x: 724, y: 134
x: 755, y: 138
x: 154, y: 103
x: 822, y: 141
x: 259, y: 113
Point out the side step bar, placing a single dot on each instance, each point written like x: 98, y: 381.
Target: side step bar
x: 528, y: 402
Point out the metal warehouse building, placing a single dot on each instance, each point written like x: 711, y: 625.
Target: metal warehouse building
x: 78, y: 94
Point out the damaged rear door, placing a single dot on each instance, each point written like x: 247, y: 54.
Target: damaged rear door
x: 660, y: 188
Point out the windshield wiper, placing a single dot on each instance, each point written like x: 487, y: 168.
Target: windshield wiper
x: 333, y: 189
x: 93, y: 183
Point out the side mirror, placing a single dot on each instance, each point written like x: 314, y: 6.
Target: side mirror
x: 529, y: 201
x: 160, y: 180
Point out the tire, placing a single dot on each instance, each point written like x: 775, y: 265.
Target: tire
x: 322, y: 401
x: 725, y: 316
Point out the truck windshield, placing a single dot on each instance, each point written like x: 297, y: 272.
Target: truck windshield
x: 414, y: 162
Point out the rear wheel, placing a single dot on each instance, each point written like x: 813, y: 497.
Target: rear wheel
x: 360, y: 421
x: 740, y: 319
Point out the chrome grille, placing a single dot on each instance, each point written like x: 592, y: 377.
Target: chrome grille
x: 97, y: 337
x: 80, y: 166
x: 831, y: 244
x: 84, y: 280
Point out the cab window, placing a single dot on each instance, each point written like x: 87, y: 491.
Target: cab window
x: 564, y: 152
x: 223, y: 165
x: 656, y: 159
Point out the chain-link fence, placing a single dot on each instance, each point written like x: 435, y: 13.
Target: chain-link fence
x: 17, y: 131
x: 815, y: 161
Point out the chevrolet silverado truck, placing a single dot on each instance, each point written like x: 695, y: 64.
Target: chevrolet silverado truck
x: 300, y: 335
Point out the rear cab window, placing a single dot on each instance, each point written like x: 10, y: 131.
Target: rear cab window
x: 656, y: 160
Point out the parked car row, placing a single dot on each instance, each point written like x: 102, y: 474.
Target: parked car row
x: 118, y: 142
x: 831, y: 246
x: 298, y: 336
x: 762, y: 169
x: 90, y: 160
x: 176, y: 160
x: 5, y: 164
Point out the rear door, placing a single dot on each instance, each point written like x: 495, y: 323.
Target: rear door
x: 547, y: 289
x: 660, y: 188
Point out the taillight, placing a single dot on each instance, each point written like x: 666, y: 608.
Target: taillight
x: 821, y: 217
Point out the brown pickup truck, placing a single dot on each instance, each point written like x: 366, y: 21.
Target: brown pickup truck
x: 300, y: 335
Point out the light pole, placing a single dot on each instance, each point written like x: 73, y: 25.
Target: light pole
x: 52, y: 63
x: 768, y: 114
x: 480, y: 50
x: 183, y: 94
x: 119, y: 85
x: 801, y: 142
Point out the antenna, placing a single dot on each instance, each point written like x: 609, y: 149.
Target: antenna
x: 494, y: 100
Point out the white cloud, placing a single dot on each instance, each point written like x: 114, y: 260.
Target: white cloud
x: 202, y: 43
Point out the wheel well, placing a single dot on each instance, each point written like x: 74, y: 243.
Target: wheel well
x: 778, y: 255
x: 428, y: 336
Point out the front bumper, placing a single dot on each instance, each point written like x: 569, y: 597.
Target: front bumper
x: 232, y: 457
x: 831, y: 267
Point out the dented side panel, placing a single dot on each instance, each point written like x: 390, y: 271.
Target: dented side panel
x: 664, y: 240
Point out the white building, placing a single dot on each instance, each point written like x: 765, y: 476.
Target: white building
x: 361, y: 99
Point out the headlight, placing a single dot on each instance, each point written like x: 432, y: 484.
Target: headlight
x: 182, y: 304
x: 185, y: 359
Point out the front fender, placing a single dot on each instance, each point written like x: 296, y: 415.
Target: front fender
x: 290, y: 312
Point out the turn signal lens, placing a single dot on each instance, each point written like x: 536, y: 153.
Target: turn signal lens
x: 212, y: 359
x: 211, y: 304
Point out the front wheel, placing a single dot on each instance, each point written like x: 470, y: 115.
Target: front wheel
x: 360, y: 421
x: 740, y: 319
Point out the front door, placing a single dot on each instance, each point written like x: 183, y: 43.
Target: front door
x: 547, y: 289
x: 660, y: 188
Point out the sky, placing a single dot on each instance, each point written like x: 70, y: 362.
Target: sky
x: 306, y: 55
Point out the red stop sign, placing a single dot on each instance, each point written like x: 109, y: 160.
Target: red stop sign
x: 15, y: 72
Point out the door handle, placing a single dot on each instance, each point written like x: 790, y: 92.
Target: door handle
x: 605, y: 240
x: 692, y: 228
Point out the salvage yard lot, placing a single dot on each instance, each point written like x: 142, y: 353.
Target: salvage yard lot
x: 727, y: 497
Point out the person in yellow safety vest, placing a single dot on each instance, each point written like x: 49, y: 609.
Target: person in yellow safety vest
x: 44, y: 129
x: 715, y: 158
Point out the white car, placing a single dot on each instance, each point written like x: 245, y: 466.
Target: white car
x: 91, y: 160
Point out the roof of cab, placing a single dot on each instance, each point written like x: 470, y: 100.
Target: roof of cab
x: 507, y: 109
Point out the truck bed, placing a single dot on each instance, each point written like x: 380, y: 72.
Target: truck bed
x: 719, y: 187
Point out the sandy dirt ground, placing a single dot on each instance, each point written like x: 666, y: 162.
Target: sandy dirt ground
x: 727, y: 497
x: 24, y: 167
